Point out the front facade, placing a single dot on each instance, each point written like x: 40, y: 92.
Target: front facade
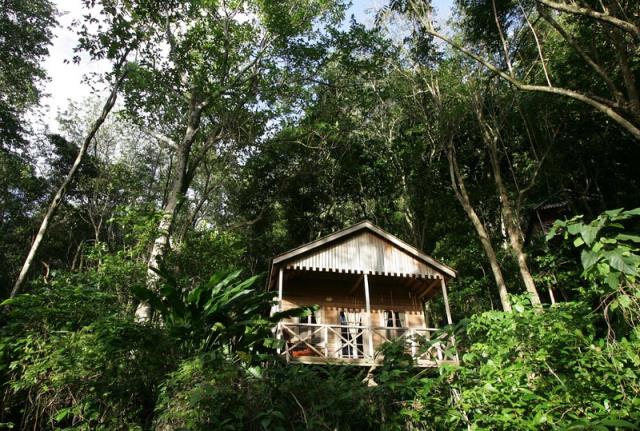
x: 370, y: 287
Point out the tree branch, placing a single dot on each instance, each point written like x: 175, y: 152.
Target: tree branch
x: 617, y: 94
x: 602, y: 107
x: 538, y: 45
x: 600, y: 16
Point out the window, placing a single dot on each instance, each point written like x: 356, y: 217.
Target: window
x: 395, y: 321
x: 310, y: 334
x: 311, y: 318
x: 351, y: 336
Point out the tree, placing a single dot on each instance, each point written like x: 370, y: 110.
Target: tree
x: 25, y: 34
x: 213, y: 84
x: 59, y: 195
x: 446, y: 131
x: 614, y: 24
x: 491, y: 137
x: 120, y: 34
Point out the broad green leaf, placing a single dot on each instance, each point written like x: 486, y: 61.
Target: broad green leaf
x: 627, y: 237
x: 588, y: 259
x: 589, y: 233
x: 614, y: 213
x: 618, y: 262
x: 619, y: 423
x: 574, y: 229
x: 613, y: 280
x: 62, y: 414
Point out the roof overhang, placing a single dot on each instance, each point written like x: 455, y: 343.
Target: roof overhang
x: 281, y: 260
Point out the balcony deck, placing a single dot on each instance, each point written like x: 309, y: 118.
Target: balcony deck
x: 311, y: 343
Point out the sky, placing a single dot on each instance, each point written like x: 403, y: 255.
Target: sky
x: 364, y: 10
x: 65, y: 79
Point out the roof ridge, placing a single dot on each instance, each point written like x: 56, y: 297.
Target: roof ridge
x: 322, y: 238
x: 365, y: 224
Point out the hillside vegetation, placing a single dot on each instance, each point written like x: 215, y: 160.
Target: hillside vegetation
x: 135, y: 240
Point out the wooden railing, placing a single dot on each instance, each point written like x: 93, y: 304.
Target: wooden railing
x: 317, y: 343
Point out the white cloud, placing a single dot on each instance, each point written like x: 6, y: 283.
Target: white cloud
x: 66, y: 79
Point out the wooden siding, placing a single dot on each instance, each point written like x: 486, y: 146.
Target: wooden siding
x: 363, y: 252
x: 383, y: 297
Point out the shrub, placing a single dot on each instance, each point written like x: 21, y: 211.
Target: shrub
x: 532, y: 370
x: 70, y: 358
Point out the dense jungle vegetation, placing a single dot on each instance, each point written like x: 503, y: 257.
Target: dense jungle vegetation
x: 134, y: 240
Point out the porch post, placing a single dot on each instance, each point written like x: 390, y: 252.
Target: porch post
x: 426, y: 313
x: 449, y: 320
x: 280, y: 289
x: 369, y: 320
x: 446, y: 301
x: 279, y: 306
x: 552, y: 296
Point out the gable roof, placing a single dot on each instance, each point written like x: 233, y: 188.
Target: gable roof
x: 354, y: 236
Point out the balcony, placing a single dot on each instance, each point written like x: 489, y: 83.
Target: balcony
x: 311, y: 343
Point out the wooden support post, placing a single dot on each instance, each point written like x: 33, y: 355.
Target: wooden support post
x: 414, y: 345
x: 279, y: 327
x: 446, y: 301
x: 280, y: 289
x: 426, y: 313
x: 449, y: 320
x: 326, y: 341
x: 369, y: 320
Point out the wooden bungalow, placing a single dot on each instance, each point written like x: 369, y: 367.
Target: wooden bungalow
x: 370, y: 287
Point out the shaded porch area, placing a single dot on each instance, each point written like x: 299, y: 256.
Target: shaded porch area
x: 358, y: 312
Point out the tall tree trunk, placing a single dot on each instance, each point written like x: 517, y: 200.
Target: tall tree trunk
x: 622, y: 54
x: 457, y: 182
x: 175, y: 195
x: 57, y: 199
x: 514, y: 231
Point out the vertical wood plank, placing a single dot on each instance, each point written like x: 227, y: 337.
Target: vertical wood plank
x: 280, y: 289
x: 367, y: 299
x: 446, y: 301
x: 279, y: 328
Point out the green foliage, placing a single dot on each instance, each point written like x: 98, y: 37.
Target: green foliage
x: 25, y: 35
x: 225, y: 315
x: 204, y: 394
x: 531, y: 370
x: 71, y: 359
x: 202, y: 250
x: 610, y: 259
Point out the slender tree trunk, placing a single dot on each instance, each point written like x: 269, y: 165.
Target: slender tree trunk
x: 604, y: 106
x: 514, y: 231
x: 457, y: 182
x: 57, y: 199
x: 175, y: 195
x: 622, y: 54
